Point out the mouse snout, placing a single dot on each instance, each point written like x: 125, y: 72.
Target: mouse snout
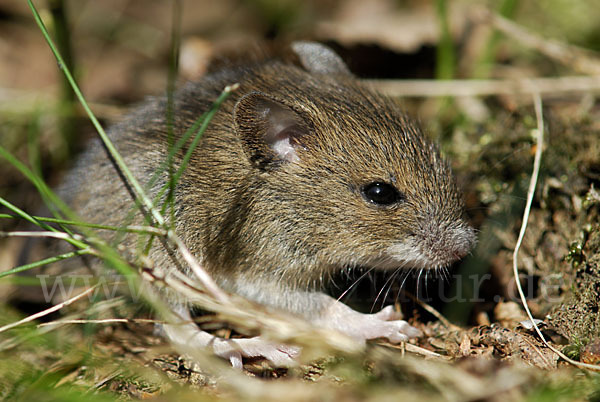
x: 432, y: 245
x: 444, y: 243
x: 461, y: 241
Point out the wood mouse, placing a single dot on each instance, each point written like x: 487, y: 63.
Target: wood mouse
x: 303, y: 172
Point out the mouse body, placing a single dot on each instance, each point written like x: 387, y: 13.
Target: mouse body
x: 303, y: 172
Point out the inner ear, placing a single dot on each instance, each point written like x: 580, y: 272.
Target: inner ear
x: 270, y: 131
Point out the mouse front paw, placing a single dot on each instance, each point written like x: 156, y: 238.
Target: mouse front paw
x: 235, y: 350
x: 386, y: 323
x: 187, y: 336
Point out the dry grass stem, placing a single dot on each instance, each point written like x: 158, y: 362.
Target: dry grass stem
x: 437, y: 88
x: 54, y: 235
x: 205, y: 279
x: 48, y: 311
x: 409, y: 347
x: 252, y: 317
x: 526, y: 213
x: 29, y: 101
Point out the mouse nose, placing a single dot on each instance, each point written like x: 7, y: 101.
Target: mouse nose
x: 445, y: 243
x: 462, y: 242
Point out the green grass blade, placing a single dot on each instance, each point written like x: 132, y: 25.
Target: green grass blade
x: 45, y: 261
x: 199, y: 127
x: 205, y: 122
x: 139, y: 192
x: 486, y: 60
x: 171, y: 79
x: 22, y: 214
x: 61, y: 28
x: 29, y: 218
x: 18, y: 211
x: 445, y: 59
x: 33, y: 144
x: 148, y: 230
x: 42, y: 188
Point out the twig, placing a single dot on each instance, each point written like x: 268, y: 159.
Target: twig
x: 205, y: 279
x: 48, y: 311
x: 581, y: 60
x: 538, y: 351
x: 437, y: 88
x: 530, y: 193
x: 409, y: 347
x: 433, y: 312
x: 107, y: 379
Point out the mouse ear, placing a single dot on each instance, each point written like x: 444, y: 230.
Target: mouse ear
x: 270, y: 131
x: 318, y: 58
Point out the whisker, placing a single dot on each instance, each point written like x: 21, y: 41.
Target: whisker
x: 389, y: 282
x: 354, y: 284
x: 394, y: 275
x: 382, y: 289
x: 419, y: 280
x: 445, y: 274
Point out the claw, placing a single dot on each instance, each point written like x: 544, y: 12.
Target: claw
x: 235, y: 350
x: 185, y: 336
x: 386, y: 323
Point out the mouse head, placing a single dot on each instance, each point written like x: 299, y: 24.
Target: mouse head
x: 345, y: 179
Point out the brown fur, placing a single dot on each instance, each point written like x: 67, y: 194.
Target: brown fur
x: 267, y: 228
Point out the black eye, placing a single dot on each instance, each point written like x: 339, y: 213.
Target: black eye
x: 382, y: 194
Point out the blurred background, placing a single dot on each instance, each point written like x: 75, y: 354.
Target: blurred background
x: 124, y: 51
x: 120, y: 51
